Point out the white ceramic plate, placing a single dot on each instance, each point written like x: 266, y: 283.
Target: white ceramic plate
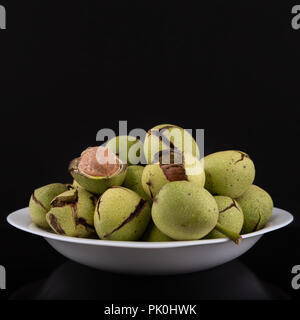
x: 149, y: 257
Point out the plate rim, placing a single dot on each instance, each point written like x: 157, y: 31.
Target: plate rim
x: 140, y: 244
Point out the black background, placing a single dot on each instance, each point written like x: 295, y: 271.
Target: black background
x: 68, y: 70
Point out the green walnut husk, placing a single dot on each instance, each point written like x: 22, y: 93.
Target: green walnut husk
x: 257, y: 206
x: 230, y: 219
x: 153, y: 234
x: 166, y: 137
x: 72, y: 213
x: 133, y: 181
x: 184, y: 211
x: 128, y: 148
x: 228, y: 173
x: 179, y: 167
x: 40, y: 200
x: 121, y: 214
x: 76, y: 185
x: 97, y: 184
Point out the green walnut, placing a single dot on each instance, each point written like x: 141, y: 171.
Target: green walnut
x: 121, y: 214
x: 40, y: 200
x: 184, y: 211
x: 257, y: 206
x: 228, y: 173
x: 179, y: 167
x: 230, y: 218
x: 168, y: 137
x: 153, y: 234
x: 133, y: 181
x: 72, y: 213
x: 98, y: 169
x: 127, y: 148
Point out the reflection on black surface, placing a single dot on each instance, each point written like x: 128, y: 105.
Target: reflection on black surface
x: 73, y: 281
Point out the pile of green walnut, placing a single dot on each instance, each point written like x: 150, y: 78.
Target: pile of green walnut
x: 184, y: 198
